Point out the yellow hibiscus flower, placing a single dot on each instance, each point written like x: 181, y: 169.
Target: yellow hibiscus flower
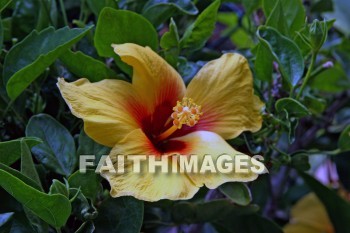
x: 309, y: 216
x: 157, y: 115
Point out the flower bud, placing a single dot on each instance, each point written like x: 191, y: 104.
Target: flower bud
x: 318, y: 34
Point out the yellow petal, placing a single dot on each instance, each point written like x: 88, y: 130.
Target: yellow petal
x: 224, y: 89
x: 308, y: 216
x: 204, y: 143
x: 107, y: 107
x: 145, y: 185
x: 155, y: 80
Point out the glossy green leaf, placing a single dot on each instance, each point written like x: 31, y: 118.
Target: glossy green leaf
x: 48, y: 15
x: 292, y: 106
x: 81, y: 206
x: 10, y: 151
x: 277, y: 19
x: 96, y: 6
x: 338, y: 209
x: 122, y: 26
x: 87, y: 146
x: 331, y: 80
x: 158, y: 11
x: 20, y: 176
x: 344, y: 139
x: 85, y: 66
x: 263, y: 64
x: 27, y: 164
x: 187, y: 69
x: 238, y: 192
x: 57, y: 151
x: 57, y: 187
x: 291, y: 12
x: 4, y: 4
x: 89, y: 183
x: 285, y: 52
x: 126, y: 214
x: 30, y: 57
x: 28, y: 169
x: 197, y: 34
x: 53, y: 209
x: 170, y: 44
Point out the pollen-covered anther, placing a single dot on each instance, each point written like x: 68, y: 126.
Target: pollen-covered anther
x: 186, y: 112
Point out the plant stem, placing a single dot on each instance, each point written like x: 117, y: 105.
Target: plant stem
x: 58, y: 230
x: 64, y: 12
x: 308, y: 75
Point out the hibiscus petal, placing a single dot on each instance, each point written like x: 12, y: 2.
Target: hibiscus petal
x: 203, y: 144
x: 308, y: 216
x: 146, y: 185
x: 109, y: 108
x: 153, y: 78
x: 224, y: 89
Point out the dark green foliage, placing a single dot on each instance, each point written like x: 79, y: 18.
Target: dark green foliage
x: 299, y: 57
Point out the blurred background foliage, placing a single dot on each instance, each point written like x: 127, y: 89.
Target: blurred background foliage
x: 299, y: 53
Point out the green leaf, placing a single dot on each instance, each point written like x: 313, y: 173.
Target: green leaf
x: 338, y: 209
x: 20, y: 176
x: 47, y: 15
x: 292, y: 106
x: 170, y: 44
x: 331, y: 80
x: 53, y: 209
x: 4, y: 4
x: 187, y: 69
x: 322, y: 6
x: 277, y: 19
x: 251, y: 5
x: 315, y: 105
x: 197, y: 34
x: 122, y: 26
x: 87, y: 146
x: 344, y: 139
x: 158, y: 11
x: 187, y: 212
x: 126, y: 214
x: 263, y: 64
x: 253, y: 223
x: 27, y: 164
x: 300, y: 161
x: 96, y: 6
x: 291, y: 13
x: 57, y: 187
x: 238, y: 192
x: 1, y: 34
x: 286, y: 53
x: 30, y: 57
x: 85, y: 66
x: 81, y: 206
x: 89, y: 183
x: 10, y: 151
x: 57, y: 151
x: 86, y: 227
